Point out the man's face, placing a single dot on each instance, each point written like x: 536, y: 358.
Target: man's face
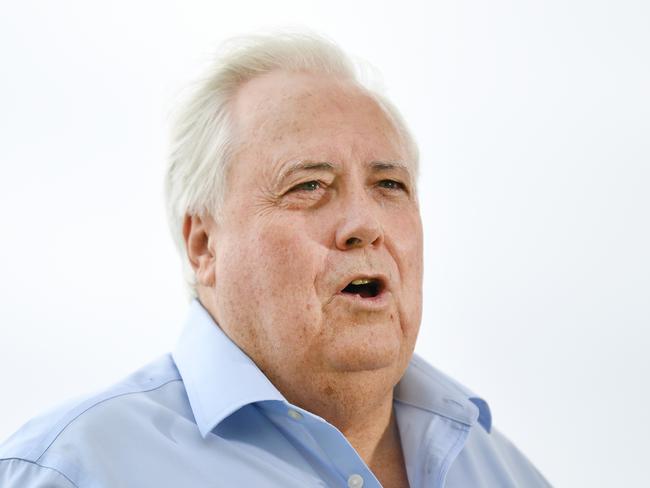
x: 318, y: 257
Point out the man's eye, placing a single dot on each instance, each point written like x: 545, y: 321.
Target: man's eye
x: 307, y: 186
x: 392, y: 185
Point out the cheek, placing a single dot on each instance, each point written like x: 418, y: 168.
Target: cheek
x: 406, y: 240
x: 277, y: 265
x: 286, y: 258
x: 407, y: 248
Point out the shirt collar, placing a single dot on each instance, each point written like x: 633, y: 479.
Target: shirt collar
x: 218, y: 376
x: 428, y: 388
x: 220, y: 379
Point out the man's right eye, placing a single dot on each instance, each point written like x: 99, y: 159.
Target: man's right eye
x: 308, y: 186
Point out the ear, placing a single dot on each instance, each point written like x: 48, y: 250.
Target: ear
x: 199, y: 245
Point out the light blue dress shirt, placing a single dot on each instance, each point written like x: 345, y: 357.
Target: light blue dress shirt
x: 206, y: 416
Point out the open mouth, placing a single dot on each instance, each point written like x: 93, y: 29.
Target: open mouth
x: 364, y: 287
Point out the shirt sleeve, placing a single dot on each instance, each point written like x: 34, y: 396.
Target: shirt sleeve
x: 21, y: 473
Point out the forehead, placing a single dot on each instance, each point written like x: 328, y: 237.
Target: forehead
x: 283, y: 115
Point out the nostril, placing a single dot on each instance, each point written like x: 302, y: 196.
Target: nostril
x: 353, y: 241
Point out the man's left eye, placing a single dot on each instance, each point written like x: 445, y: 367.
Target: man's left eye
x: 392, y: 185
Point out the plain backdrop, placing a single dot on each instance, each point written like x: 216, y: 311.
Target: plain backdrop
x: 533, y: 123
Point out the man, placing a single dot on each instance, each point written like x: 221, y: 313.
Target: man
x: 292, y: 195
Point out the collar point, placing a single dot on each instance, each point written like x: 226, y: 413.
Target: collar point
x: 484, y: 414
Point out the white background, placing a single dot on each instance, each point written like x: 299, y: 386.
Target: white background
x: 533, y: 122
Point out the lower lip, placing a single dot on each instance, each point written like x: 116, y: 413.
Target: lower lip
x: 373, y: 303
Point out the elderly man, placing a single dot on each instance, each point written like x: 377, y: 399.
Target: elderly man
x: 292, y: 196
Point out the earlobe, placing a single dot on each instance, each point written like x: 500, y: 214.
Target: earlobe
x: 199, y: 247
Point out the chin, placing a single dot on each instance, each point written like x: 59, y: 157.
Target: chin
x: 358, y: 359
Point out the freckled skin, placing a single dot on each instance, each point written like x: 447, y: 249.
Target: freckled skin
x: 269, y: 270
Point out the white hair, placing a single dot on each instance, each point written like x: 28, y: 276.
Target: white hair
x: 201, y: 138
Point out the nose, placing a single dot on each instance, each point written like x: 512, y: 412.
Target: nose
x: 359, y: 225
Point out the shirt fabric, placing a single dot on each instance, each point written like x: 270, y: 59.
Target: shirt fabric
x: 206, y: 416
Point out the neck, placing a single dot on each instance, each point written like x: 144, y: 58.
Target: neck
x: 375, y: 438
x: 370, y: 426
x: 360, y: 408
x: 382, y: 453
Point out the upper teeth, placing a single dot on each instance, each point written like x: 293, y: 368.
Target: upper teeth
x: 361, y: 282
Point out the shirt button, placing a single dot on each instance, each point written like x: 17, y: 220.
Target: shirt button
x: 294, y: 415
x: 355, y: 481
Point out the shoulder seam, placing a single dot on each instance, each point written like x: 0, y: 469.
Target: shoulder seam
x: 41, y: 466
x: 93, y: 406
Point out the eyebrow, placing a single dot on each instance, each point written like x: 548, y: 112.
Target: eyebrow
x: 389, y: 166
